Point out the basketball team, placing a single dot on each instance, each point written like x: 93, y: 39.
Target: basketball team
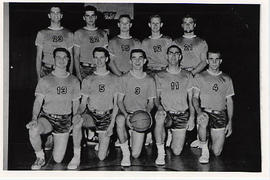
x: 128, y: 88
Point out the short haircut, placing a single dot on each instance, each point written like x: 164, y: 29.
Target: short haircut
x: 55, y: 6
x: 155, y: 16
x: 189, y: 16
x: 61, y: 50
x: 174, y: 46
x: 90, y: 8
x: 137, y: 51
x: 214, y: 51
x: 101, y: 49
x: 124, y: 16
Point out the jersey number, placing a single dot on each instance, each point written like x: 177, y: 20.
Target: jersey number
x: 61, y: 90
x: 101, y: 87
x: 215, y: 87
x: 137, y: 90
x: 174, y: 85
x: 125, y: 47
x: 157, y: 48
x: 93, y: 39
x: 188, y: 47
x: 57, y: 38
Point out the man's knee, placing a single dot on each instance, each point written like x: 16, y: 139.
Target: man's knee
x: 101, y: 156
x: 216, y: 151
x: 135, y: 154
x: 58, y: 157
x: 176, y: 150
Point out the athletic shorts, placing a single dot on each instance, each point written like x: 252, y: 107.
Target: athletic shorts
x: 217, y: 119
x: 45, y: 70
x: 60, y: 123
x: 101, y: 120
x: 86, y: 70
x: 177, y: 120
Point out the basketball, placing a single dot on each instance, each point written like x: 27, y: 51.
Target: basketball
x: 141, y: 121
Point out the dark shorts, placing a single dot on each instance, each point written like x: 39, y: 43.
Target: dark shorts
x: 177, y: 120
x: 217, y: 119
x: 86, y: 70
x: 45, y: 70
x: 97, y: 121
x: 59, y: 123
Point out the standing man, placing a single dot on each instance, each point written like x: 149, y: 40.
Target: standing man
x: 138, y: 93
x: 121, y: 46
x: 214, y: 105
x: 156, y: 45
x: 57, y: 97
x: 194, y: 48
x: 174, y: 88
x: 98, y: 106
x: 85, y: 41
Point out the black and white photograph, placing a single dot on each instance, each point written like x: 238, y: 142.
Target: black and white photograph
x: 135, y: 87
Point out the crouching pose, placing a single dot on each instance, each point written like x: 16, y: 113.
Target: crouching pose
x: 138, y: 92
x: 175, y: 110
x: 214, y: 106
x: 57, y: 96
x: 99, y: 94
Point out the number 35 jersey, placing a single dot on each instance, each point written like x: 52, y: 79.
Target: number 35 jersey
x: 100, y: 89
x: 173, y: 89
x: 214, y: 89
x: 137, y: 91
x: 58, y: 93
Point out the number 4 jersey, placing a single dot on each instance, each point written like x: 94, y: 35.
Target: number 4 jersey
x: 58, y: 93
x: 173, y: 88
x: 214, y: 89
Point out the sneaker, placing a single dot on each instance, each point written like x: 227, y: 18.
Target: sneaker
x: 74, y: 163
x: 169, y: 139
x: 49, y: 143
x: 196, y: 144
x: 96, y: 147
x: 204, y: 159
x: 92, y: 141
x: 126, y: 161
x: 38, y: 163
x: 126, y: 154
x: 161, y: 156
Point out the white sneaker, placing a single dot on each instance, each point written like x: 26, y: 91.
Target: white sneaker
x: 205, y: 155
x: 126, y: 161
x: 161, y: 155
x: 126, y: 154
x: 38, y: 163
x: 196, y: 144
x: 148, y: 140
x: 74, y: 163
x: 169, y: 138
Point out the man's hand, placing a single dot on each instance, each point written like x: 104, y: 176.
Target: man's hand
x: 31, y: 124
x: 202, y: 117
x: 190, y: 124
x: 128, y: 122
x: 109, y: 131
x: 228, y: 129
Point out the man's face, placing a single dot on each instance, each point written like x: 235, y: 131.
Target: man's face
x: 188, y: 25
x: 155, y: 24
x: 90, y: 17
x: 214, y: 61
x: 174, y: 56
x: 137, y: 60
x: 124, y: 24
x: 100, y: 59
x: 55, y: 14
x: 61, y: 60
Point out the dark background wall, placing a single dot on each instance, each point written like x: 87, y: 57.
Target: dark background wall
x: 232, y: 28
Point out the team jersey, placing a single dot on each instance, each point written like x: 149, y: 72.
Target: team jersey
x: 156, y: 51
x: 49, y: 39
x: 174, y: 89
x: 87, y: 40
x: 137, y: 91
x: 194, y: 51
x: 120, y: 49
x: 58, y: 93
x: 100, y: 89
x: 214, y: 89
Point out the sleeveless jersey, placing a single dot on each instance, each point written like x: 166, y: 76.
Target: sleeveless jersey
x: 137, y: 91
x: 87, y: 40
x: 213, y: 89
x: 100, y: 89
x: 156, y: 51
x: 58, y: 93
x: 50, y: 39
x: 120, y: 49
x: 174, y: 89
x: 193, y: 50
